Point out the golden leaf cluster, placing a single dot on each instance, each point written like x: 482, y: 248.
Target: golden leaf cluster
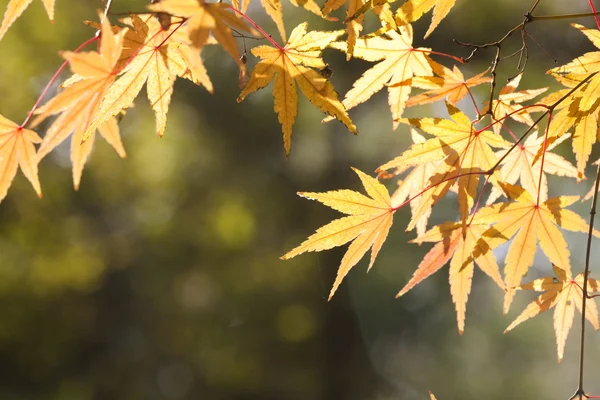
x: 456, y: 159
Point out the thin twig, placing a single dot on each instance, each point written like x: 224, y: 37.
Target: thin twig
x: 586, y: 272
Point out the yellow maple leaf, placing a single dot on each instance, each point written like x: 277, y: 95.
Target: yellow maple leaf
x: 509, y: 103
x: 530, y: 222
x: 412, y: 10
x: 15, y: 8
x: 448, y: 83
x: 521, y: 165
x: 399, y: 62
x: 462, y: 245
x: 412, y: 186
x: 149, y: 57
x: 293, y: 64
x: 17, y: 150
x: 94, y: 74
x: 204, y: 18
x: 562, y: 294
x: 466, y: 152
x: 367, y: 224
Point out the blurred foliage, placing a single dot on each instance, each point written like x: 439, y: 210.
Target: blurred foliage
x: 160, y: 277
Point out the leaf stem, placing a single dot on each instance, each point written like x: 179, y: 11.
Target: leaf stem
x: 53, y: 79
x: 595, y: 15
x: 562, y: 16
x: 586, y: 271
x: 258, y: 28
x: 544, y: 147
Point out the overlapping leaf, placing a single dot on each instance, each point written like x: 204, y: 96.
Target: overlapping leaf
x: 367, y: 224
x: 412, y: 10
x: 521, y: 165
x: 399, y: 62
x: 15, y: 8
x: 466, y: 152
x: 17, y: 150
x: 509, y: 103
x: 291, y: 65
x: 204, y: 18
x: 564, y: 295
x: 530, y: 222
x: 449, y: 84
x: 78, y: 102
x: 412, y: 186
x: 462, y: 245
x: 581, y: 109
x: 149, y: 56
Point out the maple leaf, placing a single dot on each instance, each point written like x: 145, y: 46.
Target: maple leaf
x: 412, y: 10
x: 367, y: 224
x: 464, y: 150
x: 293, y: 64
x: 412, y: 186
x: 447, y: 83
x: 509, y: 102
x: 204, y: 18
x: 562, y: 294
x: 15, y: 8
x: 399, y: 62
x: 530, y: 222
x: 584, y: 65
x: 521, y: 165
x: 148, y: 56
x: 462, y: 245
x: 94, y: 74
x: 17, y: 150
x: 354, y: 26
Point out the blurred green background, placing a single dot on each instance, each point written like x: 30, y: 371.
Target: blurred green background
x: 160, y: 278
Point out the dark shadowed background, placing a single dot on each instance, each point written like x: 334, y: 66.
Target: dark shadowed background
x: 160, y: 278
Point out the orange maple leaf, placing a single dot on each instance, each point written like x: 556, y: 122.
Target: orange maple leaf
x: 78, y: 102
x: 17, y: 150
x: 564, y: 294
x: 448, y: 84
x: 15, y: 8
x: 463, y: 245
x: 293, y: 64
x: 530, y: 222
x: 367, y: 224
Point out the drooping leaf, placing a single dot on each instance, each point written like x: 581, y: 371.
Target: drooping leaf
x: 530, y: 222
x: 204, y: 18
x: 412, y: 10
x: 17, y: 150
x: 462, y: 245
x: 149, y: 57
x: 295, y: 64
x: 15, y: 8
x: 564, y: 294
x: 367, y: 224
x: 94, y: 73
